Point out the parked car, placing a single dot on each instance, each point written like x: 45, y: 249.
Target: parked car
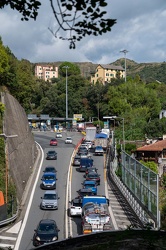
x: 50, y: 169
x: 68, y: 140
x: 76, y: 161
x: 58, y: 135
x: 99, y: 150
x: 49, y: 200
x: 46, y: 232
x: 48, y: 181
x: 53, y: 142
x: 93, y: 177
x: 51, y: 155
x: 76, y: 207
x: 90, y: 185
x: 85, y: 163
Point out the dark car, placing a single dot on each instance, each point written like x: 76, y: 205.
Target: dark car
x: 46, y: 232
x: 92, y: 176
x: 48, y: 180
x: 82, y: 150
x: 85, y: 163
x: 53, y: 142
x: 90, y: 185
x: 50, y: 169
x: 76, y: 161
x: 92, y: 169
x: 51, y: 155
x: 85, y: 192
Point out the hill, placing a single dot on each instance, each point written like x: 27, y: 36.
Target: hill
x: 148, y: 72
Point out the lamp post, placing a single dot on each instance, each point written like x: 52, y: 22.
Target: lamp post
x: 66, y: 67
x: 125, y: 52
x: 6, y: 156
x: 117, y: 117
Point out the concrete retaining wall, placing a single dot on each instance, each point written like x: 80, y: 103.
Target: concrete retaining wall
x: 21, y: 150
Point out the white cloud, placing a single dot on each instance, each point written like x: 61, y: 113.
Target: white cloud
x: 140, y: 29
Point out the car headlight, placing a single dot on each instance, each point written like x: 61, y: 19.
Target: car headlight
x: 53, y: 183
x: 54, y: 238
x: 43, y: 203
x: 38, y: 238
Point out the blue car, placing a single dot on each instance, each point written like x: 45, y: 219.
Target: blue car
x: 90, y: 185
x: 48, y: 180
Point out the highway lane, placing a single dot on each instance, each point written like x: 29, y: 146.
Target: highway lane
x: 64, y: 152
x: 76, y: 184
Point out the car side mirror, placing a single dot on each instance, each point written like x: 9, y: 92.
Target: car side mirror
x: 41, y: 197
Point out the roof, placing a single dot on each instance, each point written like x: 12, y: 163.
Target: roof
x: 157, y: 146
x: 101, y: 135
x: 111, y: 66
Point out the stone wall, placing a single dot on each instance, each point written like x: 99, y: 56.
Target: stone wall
x: 21, y: 150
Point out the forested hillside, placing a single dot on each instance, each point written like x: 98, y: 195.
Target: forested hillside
x: 139, y: 100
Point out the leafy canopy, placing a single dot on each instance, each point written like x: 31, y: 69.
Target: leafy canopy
x: 79, y: 18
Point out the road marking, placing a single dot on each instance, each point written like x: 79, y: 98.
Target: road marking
x: 7, y: 238
x: 15, y: 229
x: 6, y: 245
x: 30, y: 202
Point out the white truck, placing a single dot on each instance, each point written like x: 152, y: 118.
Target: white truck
x: 95, y: 215
x: 90, y: 133
x: 101, y: 139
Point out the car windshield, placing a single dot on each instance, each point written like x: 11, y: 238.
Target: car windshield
x: 51, y: 153
x: 93, y: 175
x: 46, y: 228
x: 89, y: 185
x: 50, y: 196
x: 68, y: 138
x: 49, y: 169
x: 48, y: 177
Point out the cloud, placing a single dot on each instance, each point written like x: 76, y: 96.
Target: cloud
x: 140, y: 29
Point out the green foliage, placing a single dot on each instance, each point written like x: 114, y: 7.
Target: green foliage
x: 151, y: 165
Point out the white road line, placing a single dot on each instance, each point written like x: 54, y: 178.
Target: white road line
x: 6, y: 245
x: 15, y: 229
x: 29, y: 204
x: 7, y: 238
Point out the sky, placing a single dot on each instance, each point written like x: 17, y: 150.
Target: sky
x: 140, y: 29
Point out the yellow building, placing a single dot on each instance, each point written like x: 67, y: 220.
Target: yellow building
x: 46, y: 72
x: 105, y: 72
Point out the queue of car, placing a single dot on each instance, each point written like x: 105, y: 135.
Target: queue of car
x: 47, y: 230
x: 83, y: 159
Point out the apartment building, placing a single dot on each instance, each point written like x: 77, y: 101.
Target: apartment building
x: 46, y: 72
x: 105, y: 72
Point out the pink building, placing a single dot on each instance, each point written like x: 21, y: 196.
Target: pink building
x: 46, y: 72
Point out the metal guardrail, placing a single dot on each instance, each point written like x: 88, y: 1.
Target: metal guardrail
x: 9, y: 220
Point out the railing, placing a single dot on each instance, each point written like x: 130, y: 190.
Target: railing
x: 9, y: 220
x: 111, y: 167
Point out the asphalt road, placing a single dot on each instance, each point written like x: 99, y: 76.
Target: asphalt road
x: 64, y: 153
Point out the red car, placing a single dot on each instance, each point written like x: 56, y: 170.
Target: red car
x: 53, y: 142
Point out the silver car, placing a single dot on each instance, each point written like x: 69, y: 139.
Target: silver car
x: 49, y: 200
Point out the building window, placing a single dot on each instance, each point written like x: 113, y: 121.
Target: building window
x: 96, y: 75
x: 112, y: 75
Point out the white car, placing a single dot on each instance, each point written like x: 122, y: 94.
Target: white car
x: 76, y: 207
x: 58, y: 135
x: 68, y: 140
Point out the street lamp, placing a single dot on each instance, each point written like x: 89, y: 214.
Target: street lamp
x: 117, y: 117
x: 66, y: 67
x: 125, y: 52
x: 6, y: 156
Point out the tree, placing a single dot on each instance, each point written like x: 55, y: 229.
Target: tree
x: 79, y: 18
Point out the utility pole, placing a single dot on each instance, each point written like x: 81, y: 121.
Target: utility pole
x: 66, y: 67
x: 125, y: 52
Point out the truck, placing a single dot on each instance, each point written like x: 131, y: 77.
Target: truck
x: 95, y: 215
x: 90, y: 133
x: 101, y: 139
